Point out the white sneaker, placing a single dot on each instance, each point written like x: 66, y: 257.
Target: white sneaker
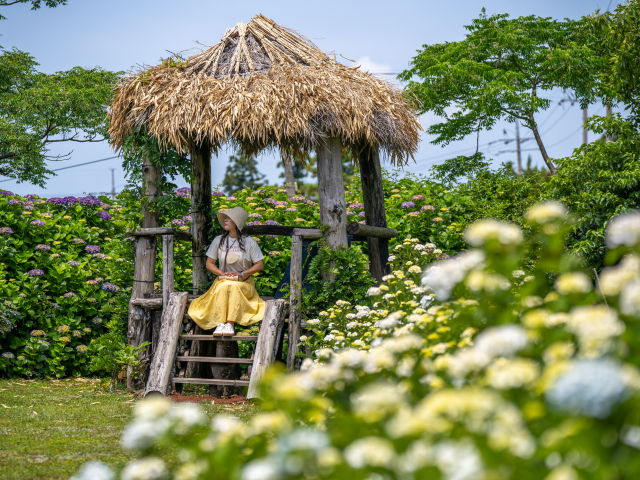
x: 229, y: 330
x: 219, y: 330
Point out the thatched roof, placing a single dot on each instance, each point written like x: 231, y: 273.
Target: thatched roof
x: 264, y: 86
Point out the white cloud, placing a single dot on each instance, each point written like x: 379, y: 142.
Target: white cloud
x: 368, y: 65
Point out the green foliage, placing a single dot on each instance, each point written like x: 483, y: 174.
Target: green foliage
x: 499, y: 72
x: 35, y: 4
x: 38, y: 109
x: 242, y: 172
x: 352, y: 279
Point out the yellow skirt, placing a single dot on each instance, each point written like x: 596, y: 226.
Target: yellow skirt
x: 228, y: 301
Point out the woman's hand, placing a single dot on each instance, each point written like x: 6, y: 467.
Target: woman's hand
x: 231, y: 274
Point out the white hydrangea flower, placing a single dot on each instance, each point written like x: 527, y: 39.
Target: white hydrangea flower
x: 458, y: 460
x: 391, y: 258
x: 479, y: 280
x: 313, y: 322
x: 350, y: 316
x: 373, y: 291
x: 376, y: 400
x: 303, y: 338
x: 415, y: 269
x: 351, y: 325
x: 363, y: 314
x: 505, y: 374
x: 343, y: 303
x: 518, y: 273
x: 573, y: 282
x: 388, y: 296
x: 589, y: 387
x: 594, y: 326
x: 429, y: 246
x: 443, y: 276
x: 94, y: 471
x: 419, y: 247
x: 329, y: 338
x: 362, y: 308
x: 613, y: 279
x: 260, y: 469
x: 369, y: 452
x: 501, y: 341
x: 398, y: 247
x: 149, y: 468
x: 630, y: 299
x: 546, y: 212
x: 482, y: 231
x: 624, y: 230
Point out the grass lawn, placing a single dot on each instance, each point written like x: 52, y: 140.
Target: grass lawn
x: 49, y: 428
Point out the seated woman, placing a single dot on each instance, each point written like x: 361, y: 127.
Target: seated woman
x: 233, y: 297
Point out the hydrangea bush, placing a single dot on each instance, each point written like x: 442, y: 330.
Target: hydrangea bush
x: 62, y: 264
x: 483, y: 370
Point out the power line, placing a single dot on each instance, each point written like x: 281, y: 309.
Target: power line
x: 71, y: 166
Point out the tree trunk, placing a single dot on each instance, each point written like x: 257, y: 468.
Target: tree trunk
x: 145, y: 250
x: 543, y: 151
x: 289, y: 181
x: 333, y: 206
x: 374, y: 210
x: 200, y: 225
x: 294, y: 309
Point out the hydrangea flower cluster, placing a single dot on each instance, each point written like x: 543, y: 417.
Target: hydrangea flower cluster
x: 110, y: 287
x: 104, y: 216
x: 43, y: 247
x: 185, y: 192
x: 6, y: 231
x: 92, y: 249
x: 38, y: 223
x: 36, y: 272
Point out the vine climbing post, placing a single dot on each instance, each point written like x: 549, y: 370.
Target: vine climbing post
x: 145, y: 249
x: 375, y: 215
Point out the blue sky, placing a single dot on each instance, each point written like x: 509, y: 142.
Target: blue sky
x: 382, y: 36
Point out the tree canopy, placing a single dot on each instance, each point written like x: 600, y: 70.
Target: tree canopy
x: 38, y: 109
x: 242, y: 172
x: 499, y: 72
x: 35, y: 4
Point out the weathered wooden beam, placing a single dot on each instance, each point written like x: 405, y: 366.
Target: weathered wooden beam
x: 289, y: 180
x: 283, y: 230
x: 374, y: 209
x: 168, y: 282
x: 355, y: 228
x: 275, y: 312
x: 294, y: 299
x: 200, y: 226
x: 310, y: 233
x: 145, y: 248
x: 145, y: 232
x: 333, y: 206
x: 164, y: 358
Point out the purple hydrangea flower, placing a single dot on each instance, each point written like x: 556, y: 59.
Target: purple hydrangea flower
x: 15, y: 201
x: 291, y: 209
x: 43, y: 247
x: 92, y: 249
x: 187, y: 219
x: 63, y: 328
x: 22, y: 295
x: 99, y: 255
x: 282, y: 202
x: 255, y: 215
x: 356, y: 206
x: 298, y: 198
x: 77, y: 333
x: 28, y: 207
x: 73, y: 262
x: 255, y: 222
x: 104, y: 215
x: 270, y: 200
x: 78, y: 241
x: 110, y: 287
x: 86, y: 330
x: 311, y: 202
x: 36, y: 272
x: 37, y: 333
x: 272, y: 236
x: 271, y: 222
x: 8, y: 355
x: 92, y: 300
x: 177, y: 222
x: 437, y: 219
x: 184, y: 192
x: 69, y: 295
x: 56, y: 201
x: 418, y: 197
x: 82, y: 348
x: 105, y: 206
x: 218, y: 193
x: 7, y: 193
x: 361, y: 214
x: 89, y: 200
x: 97, y: 321
x: 70, y: 200
x: 38, y: 223
x: 407, y: 205
x: 231, y: 197
x: 424, y: 208
x: 275, y: 253
x: 31, y: 196
x: 6, y: 231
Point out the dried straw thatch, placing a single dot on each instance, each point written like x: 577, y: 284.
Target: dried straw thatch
x: 264, y: 86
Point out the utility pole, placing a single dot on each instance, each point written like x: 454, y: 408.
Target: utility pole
x: 113, y: 185
x: 584, y: 127
x: 518, y: 149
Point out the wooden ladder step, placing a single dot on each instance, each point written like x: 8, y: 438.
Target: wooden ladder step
x: 214, y: 359
x: 211, y: 338
x: 211, y: 381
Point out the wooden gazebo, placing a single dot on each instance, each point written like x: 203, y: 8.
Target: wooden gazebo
x: 264, y: 86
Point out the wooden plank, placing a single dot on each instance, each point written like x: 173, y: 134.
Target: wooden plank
x: 281, y: 230
x: 275, y: 312
x: 211, y: 338
x: 164, y: 359
x: 146, y: 232
x: 187, y: 358
x: 212, y: 381
x: 333, y: 208
x: 374, y: 209
x: 200, y: 226
x: 294, y: 306
x: 168, y: 282
x: 156, y: 303
x: 310, y: 233
x: 355, y: 228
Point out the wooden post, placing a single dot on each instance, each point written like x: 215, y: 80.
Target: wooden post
x: 373, y: 199
x: 294, y: 309
x: 164, y: 358
x: 167, y: 269
x: 265, y: 353
x: 289, y: 180
x: 333, y: 206
x: 200, y: 225
x: 145, y: 248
